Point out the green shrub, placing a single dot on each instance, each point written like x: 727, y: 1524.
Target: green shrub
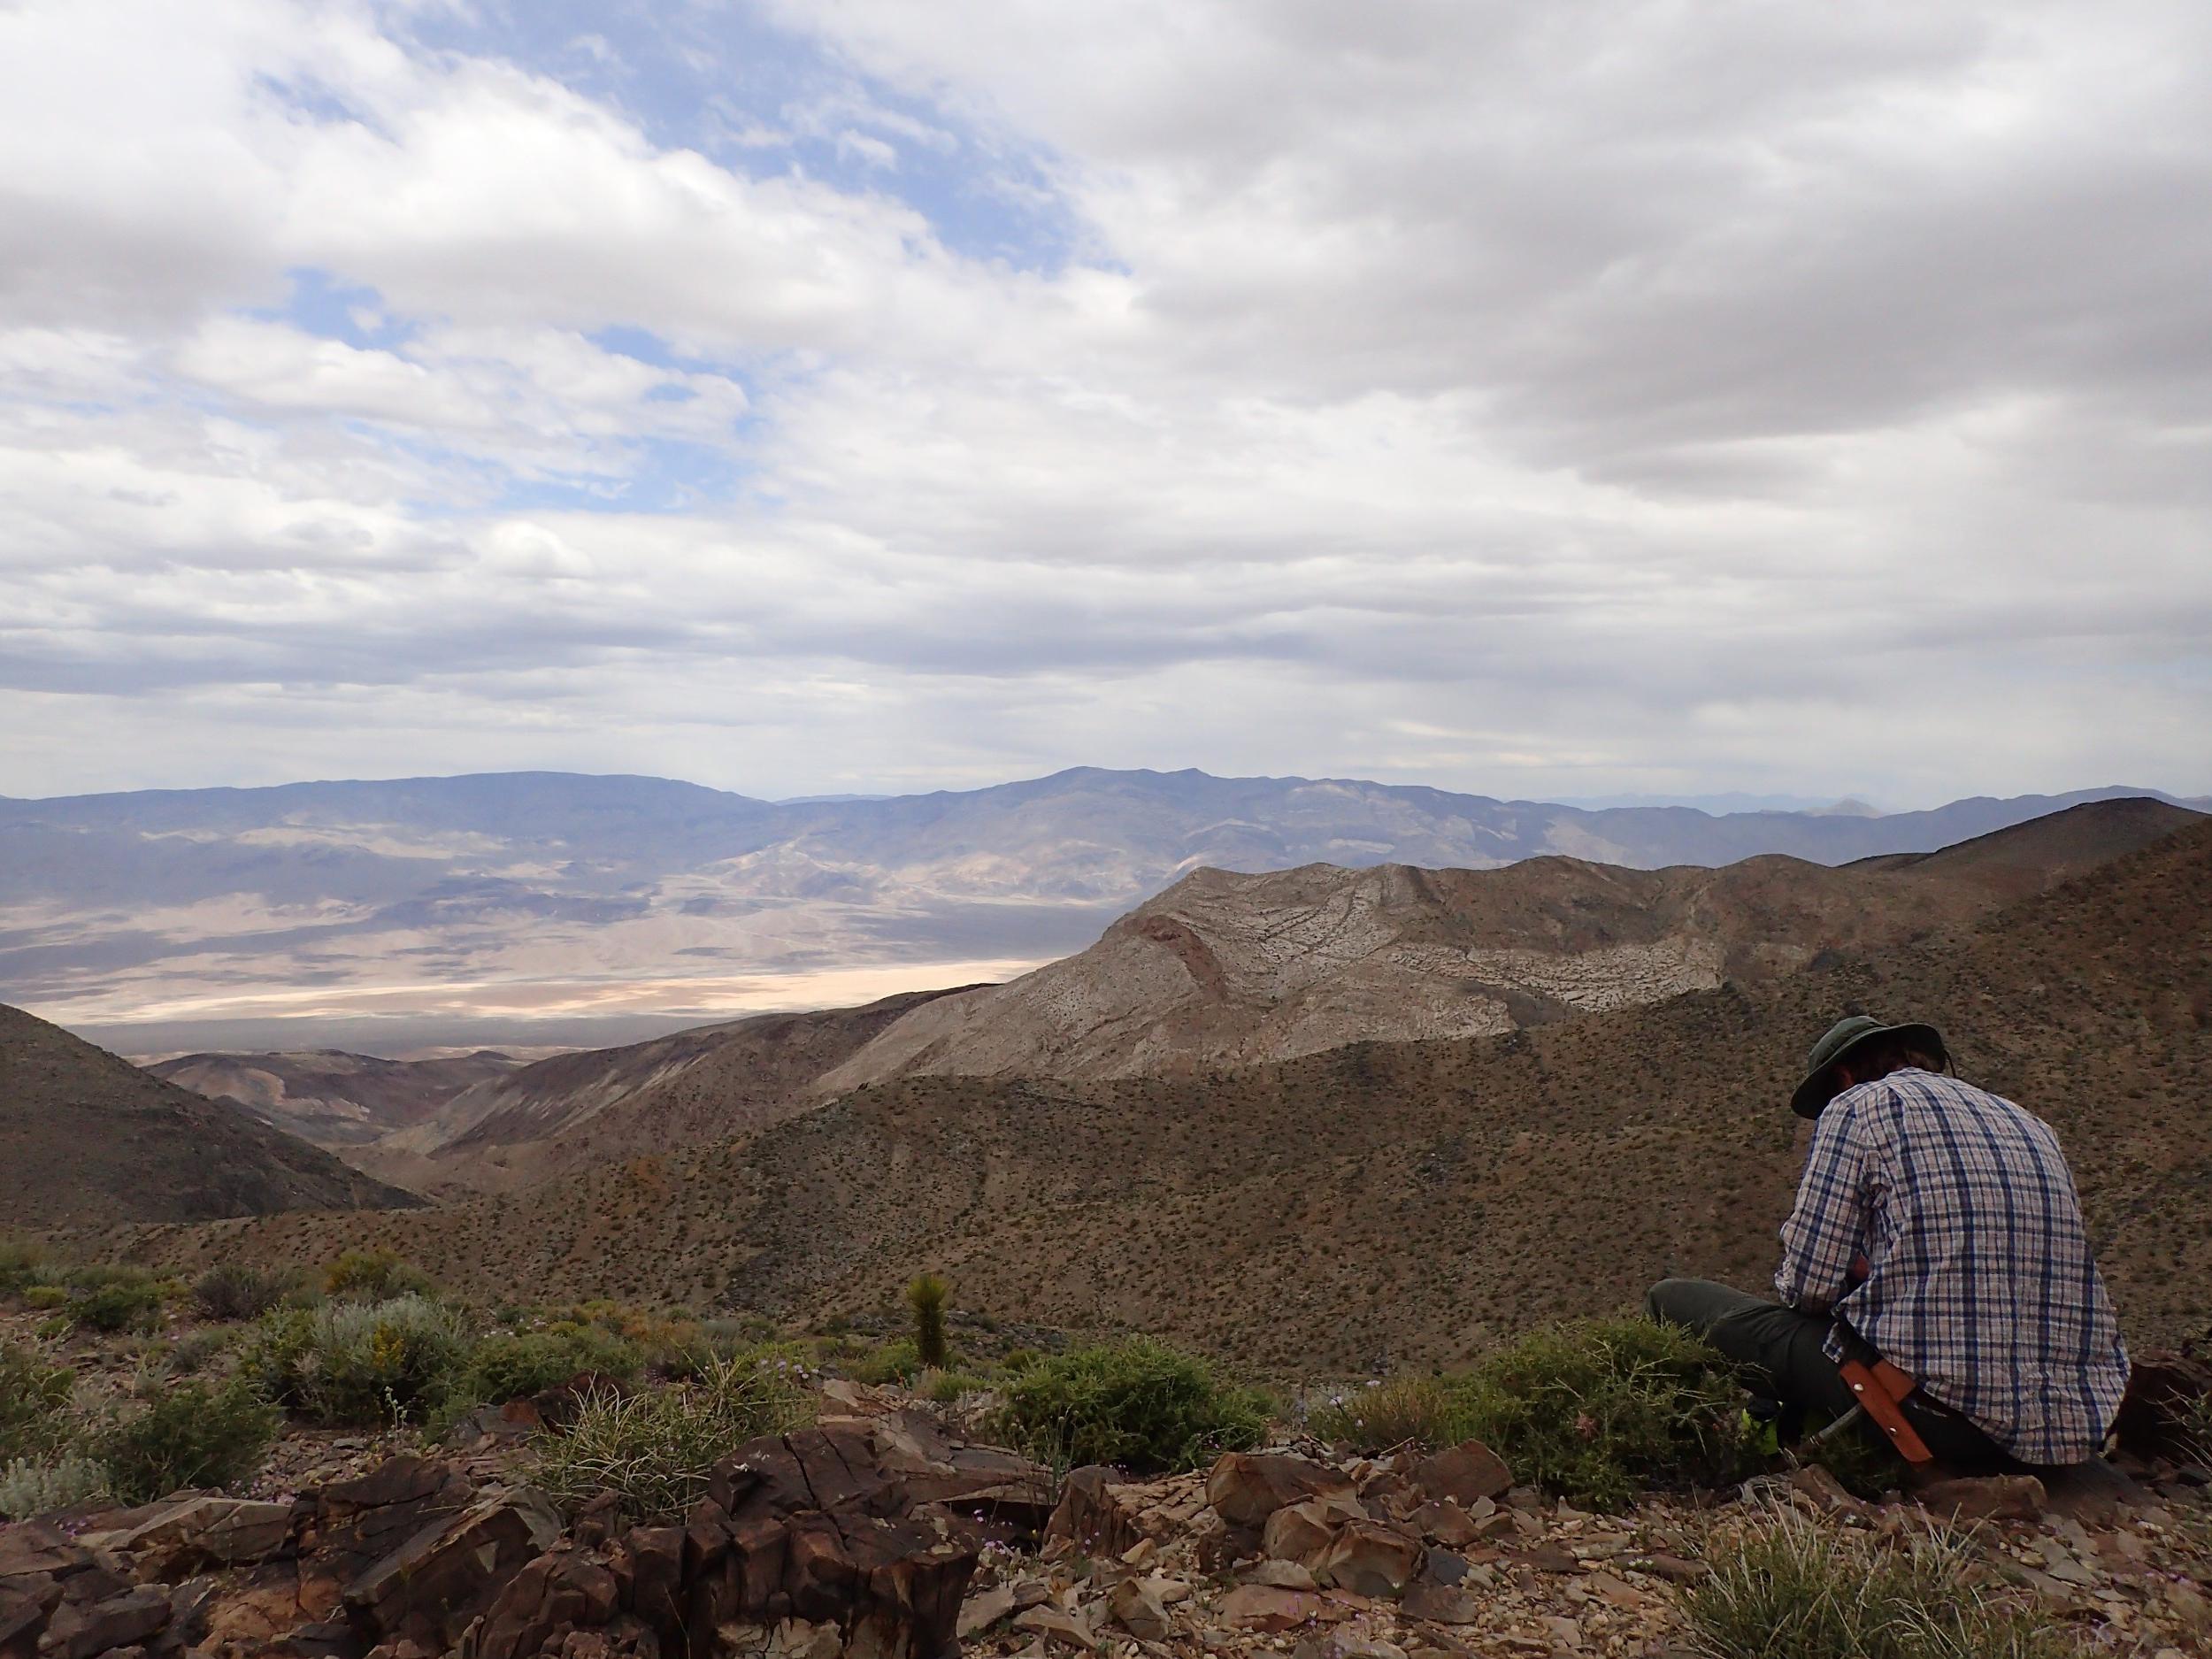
x: 926, y: 1298
x: 655, y: 1448
x: 509, y: 1367
x: 947, y: 1387
x: 34, y: 1395
x: 234, y: 1293
x: 118, y: 1306
x: 1137, y: 1403
x: 1792, y: 1588
x: 45, y: 1298
x: 1413, y: 1408
x: 189, y: 1434
x: 1600, y: 1410
x: 357, y: 1362
x: 1018, y: 1360
x: 22, y: 1265
x: 893, y: 1362
x: 374, y: 1276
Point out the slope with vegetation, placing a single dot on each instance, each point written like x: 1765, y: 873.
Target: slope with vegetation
x: 1384, y: 1203
x: 88, y: 1137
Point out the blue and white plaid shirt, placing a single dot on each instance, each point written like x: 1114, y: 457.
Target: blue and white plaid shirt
x: 1982, y: 1286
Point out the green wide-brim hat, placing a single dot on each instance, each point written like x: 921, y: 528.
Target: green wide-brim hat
x: 1819, y: 1086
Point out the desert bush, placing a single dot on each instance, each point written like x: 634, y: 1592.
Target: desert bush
x: 238, y: 1293
x: 374, y: 1276
x: 507, y: 1367
x: 1789, y: 1587
x: 45, y: 1298
x: 23, y: 1263
x: 1600, y: 1410
x: 926, y: 1298
x: 655, y: 1448
x: 193, y: 1351
x: 33, y: 1394
x: 1413, y: 1408
x: 894, y: 1363
x: 360, y: 1362
x: 189, y: 1434
x: 32, y: 1486
x: 118, y: 1305
x: 947, y: 1387
x: 1137, y: 1403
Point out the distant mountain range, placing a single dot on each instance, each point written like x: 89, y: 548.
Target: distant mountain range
x: 494, y: 907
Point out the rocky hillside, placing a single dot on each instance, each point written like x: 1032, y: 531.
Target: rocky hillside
x: 490, y: 901
x: 329, y: 1096
x: 1396, y: 1201
x: 88, y: 1139
x: 1228, y: 970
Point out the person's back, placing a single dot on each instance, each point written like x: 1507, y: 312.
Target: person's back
x: 1979, y: 1281
x: 1937, y: 1225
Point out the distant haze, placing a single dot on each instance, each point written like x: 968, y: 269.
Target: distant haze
x: 546, y: 908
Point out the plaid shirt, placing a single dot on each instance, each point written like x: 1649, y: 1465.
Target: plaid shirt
x: 1982, y: 1286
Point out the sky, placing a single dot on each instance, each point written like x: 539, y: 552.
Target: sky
x: 1603, y: 396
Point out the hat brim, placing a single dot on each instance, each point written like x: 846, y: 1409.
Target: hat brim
x: 1814, y: 1093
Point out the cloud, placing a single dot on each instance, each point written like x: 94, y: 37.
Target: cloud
x: 1550, y: 400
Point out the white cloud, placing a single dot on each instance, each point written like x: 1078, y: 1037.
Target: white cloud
x: 1532, y: 400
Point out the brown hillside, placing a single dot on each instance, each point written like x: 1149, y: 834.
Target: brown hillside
x: 1393, y: 1202
x: 331, y: 1097
x: 86, y: 1138
x: 1231, y: 970
x: 574, y: 1112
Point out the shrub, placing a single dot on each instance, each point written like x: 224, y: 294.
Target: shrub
x: 1411, y: 1408
x: 947, y: 1387
x: 28, y: 1486
x: 118, y: 1305
x: 192, y: 1352
x: 1136, y: 1404
x: 507, y: 1367
x: 33, y: 1396
x: 374, y: 1276
x: 893, y: 1362
x: 1791, y: 1588
x: 189, y: 1434
x: 353, y: 1362
x: 45, y: 1298
x: 655, y: 1449
x: 233, y: 1293
x: 22, y: 1265
x: 1600, y: 1410
x: 926, y: 1297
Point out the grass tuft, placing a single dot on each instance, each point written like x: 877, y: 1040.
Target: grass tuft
x: 1792, y: 1588
x: 656, y: 1448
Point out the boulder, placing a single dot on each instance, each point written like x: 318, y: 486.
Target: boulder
x: 1264, y: 1607
x: 1096, y: 1513
x: 1137, y: 1608
x: 1369, y: 1559
x: 432, y: 1586
x: 1984, y: 1497
x: 185, y: 1535
x: 1464, y: 1474
x: 1303, y: 1531
x: 1246, y: 1488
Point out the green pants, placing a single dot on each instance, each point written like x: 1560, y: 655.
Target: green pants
x: 1781, y: 1349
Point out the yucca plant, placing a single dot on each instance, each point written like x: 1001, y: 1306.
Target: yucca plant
x: 927, y: 1297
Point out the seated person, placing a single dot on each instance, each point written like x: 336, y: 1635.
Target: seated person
x: 1936, y: 1224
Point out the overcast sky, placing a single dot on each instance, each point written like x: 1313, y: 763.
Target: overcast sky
x: 859, y: 394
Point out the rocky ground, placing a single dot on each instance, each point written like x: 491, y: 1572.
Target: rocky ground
x: 887, y: 1530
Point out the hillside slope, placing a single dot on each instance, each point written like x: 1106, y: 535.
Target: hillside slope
x: 86, y: 1138
x: 1391, y: 1203
x: 477, y: 904
x: 329, y: 1096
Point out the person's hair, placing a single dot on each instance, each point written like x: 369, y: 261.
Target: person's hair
x: 1878, y: 1057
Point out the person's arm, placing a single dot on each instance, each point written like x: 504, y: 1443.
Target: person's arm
x: 1828, y: 1228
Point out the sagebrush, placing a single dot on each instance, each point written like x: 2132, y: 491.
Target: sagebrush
x: 360, y: 1362
x: 189, y: 1434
